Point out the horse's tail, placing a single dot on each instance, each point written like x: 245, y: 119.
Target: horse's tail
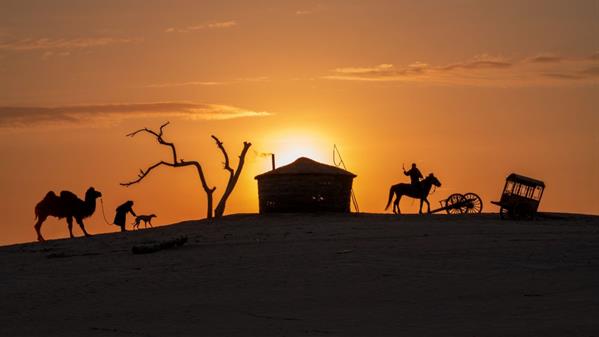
x: 390, y: 198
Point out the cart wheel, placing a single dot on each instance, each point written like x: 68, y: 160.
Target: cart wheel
x: 503, y: 213
x: 474, y: 203
x: 455, y: 204
x: 523, y: 212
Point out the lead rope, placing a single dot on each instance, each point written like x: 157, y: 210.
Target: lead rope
x: 104, y: 214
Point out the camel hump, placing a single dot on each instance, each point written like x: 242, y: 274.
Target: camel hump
x: 49, y: 202
x: 50, y: 199
x: 68, y: 196
x: 50, y: 196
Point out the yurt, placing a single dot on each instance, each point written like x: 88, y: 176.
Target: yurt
x: 305, y: 186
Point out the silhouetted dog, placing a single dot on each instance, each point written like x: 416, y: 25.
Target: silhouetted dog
x: 147, y: 219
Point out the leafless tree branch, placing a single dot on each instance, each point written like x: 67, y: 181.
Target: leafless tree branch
x: 176, y: 163
x: 142, y: 174
x: 159, y: 138
x: 222, y: 149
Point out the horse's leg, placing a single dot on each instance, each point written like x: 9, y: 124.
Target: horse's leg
x: 38, y: 227
x: 396, y: 209
x: 428, y: 206
x: 70, y: 224
x: 420, y: 210
x: 80, y: 222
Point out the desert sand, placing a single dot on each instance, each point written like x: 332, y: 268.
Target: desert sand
x: 312, y: 275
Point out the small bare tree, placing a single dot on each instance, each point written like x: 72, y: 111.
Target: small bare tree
x: 233, y: 174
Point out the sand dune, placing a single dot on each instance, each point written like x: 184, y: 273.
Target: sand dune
x: 312, y: 275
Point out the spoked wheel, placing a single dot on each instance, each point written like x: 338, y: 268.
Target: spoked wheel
x: 455, y: 204
x: 504, y: 213
x: 523, y: 212
x: 474, y: 204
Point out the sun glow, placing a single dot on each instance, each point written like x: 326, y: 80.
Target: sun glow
x: 290, y: 146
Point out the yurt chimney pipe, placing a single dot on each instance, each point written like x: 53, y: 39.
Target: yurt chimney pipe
x: 272, y: 157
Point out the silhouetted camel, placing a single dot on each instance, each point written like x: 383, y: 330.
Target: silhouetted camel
x: 408, y: 190
x: 67, y: 205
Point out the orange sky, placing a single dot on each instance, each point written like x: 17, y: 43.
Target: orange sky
x: 469, y: 90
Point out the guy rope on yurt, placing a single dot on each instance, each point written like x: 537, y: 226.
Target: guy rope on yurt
x: 341, y: 163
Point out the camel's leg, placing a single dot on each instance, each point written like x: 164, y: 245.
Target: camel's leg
x: 38, y: 227
x: 80, y: 222
x: 70, y: 223
x: 150, y: 223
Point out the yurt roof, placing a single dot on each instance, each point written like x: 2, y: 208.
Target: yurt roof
x: 305, y: 165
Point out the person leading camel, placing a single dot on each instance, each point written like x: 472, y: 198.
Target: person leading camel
x: 121, y: 214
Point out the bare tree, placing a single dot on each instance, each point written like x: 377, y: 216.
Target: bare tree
x: 233, y: 174
x: 176, y: 163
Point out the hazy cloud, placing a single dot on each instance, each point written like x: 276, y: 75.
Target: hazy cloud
x: 23, y: 116
x: 591, y: 71
x: 544, y: 59
x: 480, y: 62
x: 481, y: 70
x: 183, y: 84
x: 560, y: 76
x: 61, y: 43
x: 49, y: 54
x: 309, y: 11
x: 206, y: 83
x: 210, y: 25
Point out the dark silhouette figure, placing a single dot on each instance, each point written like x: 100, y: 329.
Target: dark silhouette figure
x: 147, y: 219
x: 67, y: 205
x: 409, y: 190
x: 414, y: 174
x: 121, y: 214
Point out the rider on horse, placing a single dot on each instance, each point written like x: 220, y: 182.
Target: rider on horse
x: 415, y: 176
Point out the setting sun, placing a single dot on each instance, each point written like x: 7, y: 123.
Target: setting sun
x: 293, y: 144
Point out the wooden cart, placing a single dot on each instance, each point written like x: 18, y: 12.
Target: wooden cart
x: 520, y: 198
x: 469, y: 203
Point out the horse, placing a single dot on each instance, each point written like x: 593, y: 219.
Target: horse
x: 422, y: 193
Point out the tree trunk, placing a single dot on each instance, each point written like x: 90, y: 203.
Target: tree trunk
x: 209, y: 204
x: 233, y: 176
